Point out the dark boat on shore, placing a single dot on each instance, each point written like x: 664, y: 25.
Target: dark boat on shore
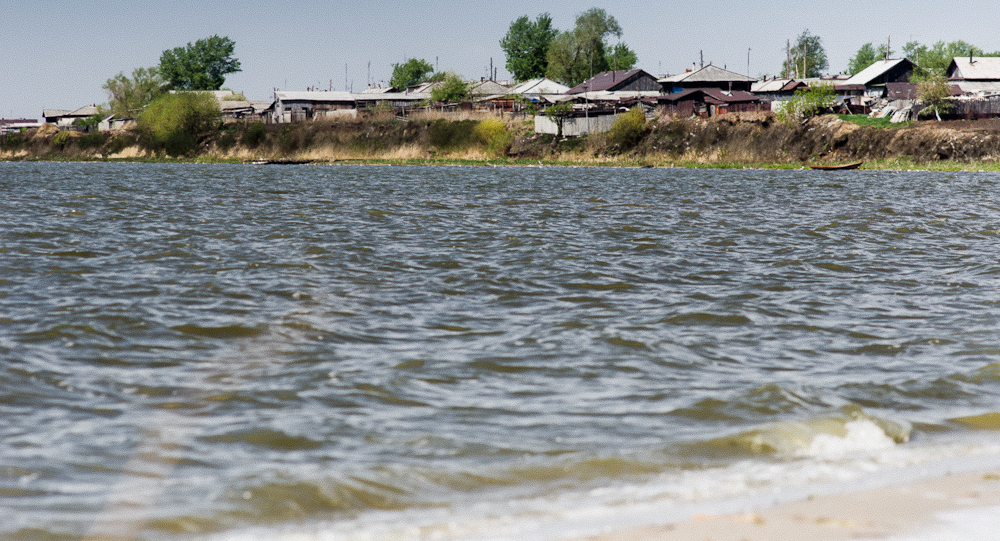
x: 843, y: 167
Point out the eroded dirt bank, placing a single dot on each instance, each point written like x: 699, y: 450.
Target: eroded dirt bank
x: 751, y: 138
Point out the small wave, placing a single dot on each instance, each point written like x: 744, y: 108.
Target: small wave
x: 818, y: 437
x: 225, y: 331
x: 271, y: 439
x: 706, y: 318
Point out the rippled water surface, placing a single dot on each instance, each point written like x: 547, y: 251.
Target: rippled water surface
x: 415, y: 353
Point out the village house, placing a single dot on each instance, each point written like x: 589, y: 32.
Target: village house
x: 13, y: 125
x: 975, y: 75
x: 710, y: 76
x: 533, y: 89
x: 774, y: 91
x: 871, y: 81
x: 65, y: 119
x: 707, y: 102
x: 291, y: 107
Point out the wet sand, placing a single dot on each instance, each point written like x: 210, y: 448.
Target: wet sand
x: 913, y: 510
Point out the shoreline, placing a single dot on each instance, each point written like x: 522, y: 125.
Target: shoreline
x: 875, y: 165
x: 920, y: 504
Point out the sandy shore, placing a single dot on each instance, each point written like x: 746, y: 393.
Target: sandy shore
x: 920, y: 510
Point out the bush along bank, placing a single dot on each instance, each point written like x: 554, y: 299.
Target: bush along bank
x: 737, y: 139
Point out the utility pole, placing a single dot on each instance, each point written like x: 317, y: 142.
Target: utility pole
x: 702, y: 53
x: 805, y: 55
x: 888, y: 48
x: 748, y: 61
x: 346, y: 86
x: 788, y: 58
x: 369, y: 81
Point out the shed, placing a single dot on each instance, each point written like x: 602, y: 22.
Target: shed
x: 534, y: 88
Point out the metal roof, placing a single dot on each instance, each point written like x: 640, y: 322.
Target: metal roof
x: 606, y: 80
x: 979, y: 69
x: 708, y: 74
x: 777, y: 85
x: 539, y: 86
x: 86, y: 110
x: 873, y: 72
x: 314, y: 96
x: 487, y: 88
x: 721, y: 96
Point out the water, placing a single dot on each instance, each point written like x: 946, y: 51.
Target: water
x: 235, y: 352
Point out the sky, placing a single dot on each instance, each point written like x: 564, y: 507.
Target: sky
x: 58, y: 53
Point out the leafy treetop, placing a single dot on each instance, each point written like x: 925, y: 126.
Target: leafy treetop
x: 576, y: 55
x: 808, y: 57
x: 127, y: 97
x: 412, y: 72
x: 527, y: 46
x: 201, y: 66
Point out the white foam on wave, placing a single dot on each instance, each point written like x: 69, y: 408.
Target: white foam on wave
x: 864, y: 457
x: 862, y: 435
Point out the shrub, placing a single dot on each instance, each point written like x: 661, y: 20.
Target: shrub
x: 452, y: 89
x: 808, y: 103
x: 62, y: 139
x: 173, y: 122
x: 446, y: 134
x: 494, y: 135
x: 12, y: 141
x: 226, y: 142
x: 120, y: 143
x: 92, y: 140
x: 255, y: 135
x: 628, y: 129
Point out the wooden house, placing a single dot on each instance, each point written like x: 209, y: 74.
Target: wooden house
x: 707, y: 102
x: 871, y: 81
x: 291, y: 107
x: 975, y: 75
x: 709, y: 76
x: 618, y: 81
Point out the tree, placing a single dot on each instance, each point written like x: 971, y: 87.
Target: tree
x: 808, y: 57
x: 412, y: 72
x: 527, y: 46
x: 173, y: 122
x: 576, y: 56
x: 866, y: 56
x: 621, y: 57
x: 127, y: 97
x: 808, y: 103
x: 452, y: 89
x: 558, y: 113
x: 201, y: 66
x: 934, y: 92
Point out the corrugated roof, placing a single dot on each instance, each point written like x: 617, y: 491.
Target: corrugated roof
x: 314, y: 96
x: 721, y: 96
x: 49, y: 113
x: 973, y: 87
x: 86, y: 110
x: 708, y: 74
x: 979, y: 69
x: 539, y: 86
x: 487, y: 88
x: 873, y: 72
x: 605, y: 81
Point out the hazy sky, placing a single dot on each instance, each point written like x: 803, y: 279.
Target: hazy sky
x: 57, y: 53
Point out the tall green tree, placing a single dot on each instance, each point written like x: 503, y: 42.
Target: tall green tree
x: 620, y: 57
x: 527, y: 46
x: 808, y: 57
x: 934, y: 60
x: 576, y: 55
x: 452, y: 89
x: 866, y: 56
x: 128, y: 97
x: 412, y: 72
x: 199, y: 66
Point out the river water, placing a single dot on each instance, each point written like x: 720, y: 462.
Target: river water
x: 339, y: 352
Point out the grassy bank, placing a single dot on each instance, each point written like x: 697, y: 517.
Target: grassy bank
x: 751, y: 140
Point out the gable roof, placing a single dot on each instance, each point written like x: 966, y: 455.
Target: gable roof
x: 778, y: 85
x: 487, y: 88
x: 979, y: 69
x: 708, y: 74
x: 876, y: 70
x: 314, y: 96
x: 539, y: 86
x: 606, y: 80
x: 710, y: 95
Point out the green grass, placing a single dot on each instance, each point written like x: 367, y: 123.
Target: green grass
x: 866, y: 121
